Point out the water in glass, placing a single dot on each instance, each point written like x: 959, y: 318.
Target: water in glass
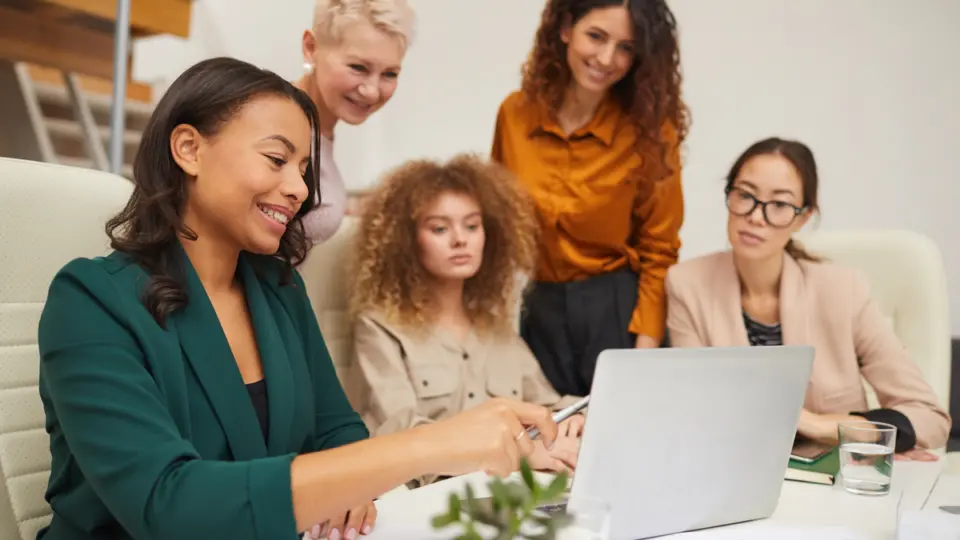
x: 866, y: 468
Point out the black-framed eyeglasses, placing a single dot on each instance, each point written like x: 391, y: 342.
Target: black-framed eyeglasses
x: 777, y: 214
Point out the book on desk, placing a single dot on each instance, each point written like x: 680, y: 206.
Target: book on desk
x: 824, y: 470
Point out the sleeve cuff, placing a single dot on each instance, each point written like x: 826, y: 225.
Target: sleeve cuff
x: 906, y: 436
x: 272, y: 498
x: 641, y: 324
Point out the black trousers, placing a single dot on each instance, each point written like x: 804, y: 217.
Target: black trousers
x: 567, y: 325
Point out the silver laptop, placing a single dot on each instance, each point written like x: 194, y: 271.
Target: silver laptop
x: 685, y: 439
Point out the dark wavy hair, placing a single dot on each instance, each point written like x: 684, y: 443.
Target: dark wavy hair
x: 206, y: 96
x: 649, y: 92
x: 801, y: 157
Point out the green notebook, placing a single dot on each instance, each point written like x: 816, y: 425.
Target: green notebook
x: 822, y: 471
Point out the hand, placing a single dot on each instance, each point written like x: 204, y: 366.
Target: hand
x: 565, y: 451
x: 646, y: 342
x: 916, y: 454
x: 490, y: 437
x: 823, y: 427
x: 572, y: 427
x: 346, y: 526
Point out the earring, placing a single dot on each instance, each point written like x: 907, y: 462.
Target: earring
x: 307, y: 67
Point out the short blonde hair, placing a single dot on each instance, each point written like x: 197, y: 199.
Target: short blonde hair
x: 394, y: 17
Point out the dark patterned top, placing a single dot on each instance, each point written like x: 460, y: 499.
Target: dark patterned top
x: 762, y: 334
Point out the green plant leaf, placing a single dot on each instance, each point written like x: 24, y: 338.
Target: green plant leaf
x: 527, y: 473
x: 441, y: 521
x: 454, y: 507
x: 501, y: 495
x: 555, y: 488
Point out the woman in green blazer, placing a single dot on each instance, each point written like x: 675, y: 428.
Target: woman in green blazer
x: 188, y: 391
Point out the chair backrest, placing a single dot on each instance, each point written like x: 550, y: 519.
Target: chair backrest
x: 324, y: 273
x: 908, y: 281
x: 49, y: 214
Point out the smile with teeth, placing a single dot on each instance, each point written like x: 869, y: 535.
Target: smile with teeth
x: 357, y: 104
x: 597, y: 73
x: 273, y: 214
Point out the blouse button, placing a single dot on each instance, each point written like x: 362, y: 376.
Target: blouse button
x: 466, y: 356
x: 470, y: 395
x: 425, y: 383
x: 514, y: 392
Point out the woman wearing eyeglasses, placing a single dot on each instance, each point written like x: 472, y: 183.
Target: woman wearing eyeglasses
x: 767, y: 290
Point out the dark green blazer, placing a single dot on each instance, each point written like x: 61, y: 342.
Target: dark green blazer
x: 152, y: 432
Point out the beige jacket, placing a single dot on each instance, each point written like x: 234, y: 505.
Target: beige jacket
x: 400, y: 379
x: 823, y: 305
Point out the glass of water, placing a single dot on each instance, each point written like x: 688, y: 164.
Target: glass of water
x: 866, y: 457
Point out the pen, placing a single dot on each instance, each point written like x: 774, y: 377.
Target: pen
x: 562, y: 415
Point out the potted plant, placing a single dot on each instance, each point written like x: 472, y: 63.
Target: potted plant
x: 511, y: 510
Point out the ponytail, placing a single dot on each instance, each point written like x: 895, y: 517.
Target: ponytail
x: 796, y: 250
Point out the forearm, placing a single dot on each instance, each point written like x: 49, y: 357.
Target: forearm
x: 327, y: 483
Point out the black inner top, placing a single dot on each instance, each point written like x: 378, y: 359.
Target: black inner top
x: 258, y: 395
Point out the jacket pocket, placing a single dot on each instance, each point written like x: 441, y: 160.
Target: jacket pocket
x: 434, y: 380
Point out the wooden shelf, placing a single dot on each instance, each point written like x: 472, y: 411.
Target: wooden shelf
x: 77, y: 35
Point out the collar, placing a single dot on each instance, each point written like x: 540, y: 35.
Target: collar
x: 603, y: 126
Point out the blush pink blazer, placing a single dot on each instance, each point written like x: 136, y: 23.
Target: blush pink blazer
x: 823, y: 305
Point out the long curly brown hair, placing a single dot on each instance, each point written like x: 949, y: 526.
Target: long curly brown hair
x: 386, y: 272
x: 649, y: 92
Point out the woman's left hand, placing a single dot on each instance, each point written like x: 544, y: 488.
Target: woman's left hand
x: 571, y: 427
x: 916, y: 454
x: 348, y: 526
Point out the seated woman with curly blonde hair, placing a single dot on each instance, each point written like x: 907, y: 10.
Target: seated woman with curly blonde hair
x: 434, y: 294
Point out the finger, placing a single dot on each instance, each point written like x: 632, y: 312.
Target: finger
x: 370, y: 520
x: 534, y: 415
x: 354, y: 522
x: 513, y: 452
x: 579, y: 421
x: 335, y: 529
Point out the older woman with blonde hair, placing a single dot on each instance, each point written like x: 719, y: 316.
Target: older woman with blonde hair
x: 352, y: 57
x: 435, y: 293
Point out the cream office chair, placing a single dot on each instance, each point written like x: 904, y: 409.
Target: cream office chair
x: 908, y: 281
x: 323, y: 273
x: 49, y: 214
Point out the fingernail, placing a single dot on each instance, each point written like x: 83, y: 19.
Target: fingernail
x: 366, y: 529
x: 351, y: 534
x: 334, y: 535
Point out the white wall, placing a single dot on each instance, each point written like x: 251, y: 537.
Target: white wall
x: 870, y: 85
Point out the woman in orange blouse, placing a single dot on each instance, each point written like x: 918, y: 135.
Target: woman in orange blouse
x: 593, y: 134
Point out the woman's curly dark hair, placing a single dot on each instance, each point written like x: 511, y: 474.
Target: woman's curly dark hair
x: 649, y: 92
x: 206, y: 96
x: 386, y: 272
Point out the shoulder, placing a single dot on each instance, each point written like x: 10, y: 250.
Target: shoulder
x: 104, y: 278
x: 694, y: 273
x: 832, y: 280
x: 372, y: 323
x: 91, y: 299
x: 518, y: 105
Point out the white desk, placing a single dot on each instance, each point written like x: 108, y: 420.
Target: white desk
x: 406, y: 515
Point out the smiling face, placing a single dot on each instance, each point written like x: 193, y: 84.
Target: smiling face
x: 451, y: 237
x: 357, y: 74
x: 600, y: 48
x: 247, y: 181
x: 765, y: 178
